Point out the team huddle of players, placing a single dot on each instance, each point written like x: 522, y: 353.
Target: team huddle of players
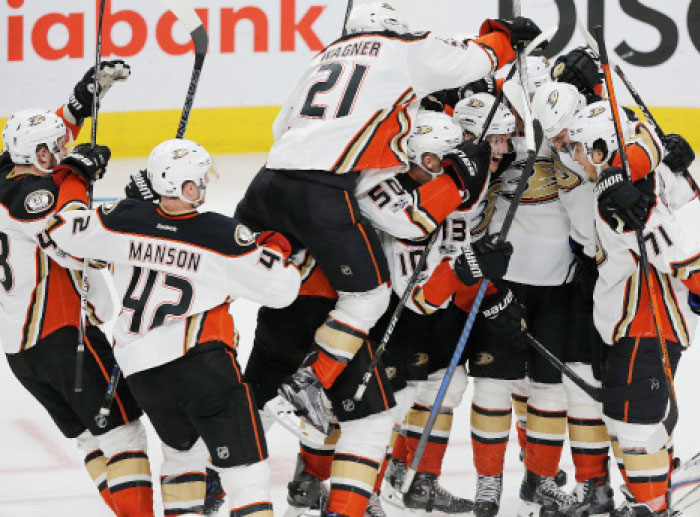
x: 392, y: 156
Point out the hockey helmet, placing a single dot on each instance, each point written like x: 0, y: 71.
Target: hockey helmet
x: 375, y: 17
x: 433, y: 132
x: 26, y: 130
x: 175, y: 162
x: 537, y: 72
x: 594, y: 128
x: 555, y: 105
x: 471, y: 113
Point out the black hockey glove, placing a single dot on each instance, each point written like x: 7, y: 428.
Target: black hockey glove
x: 694, y: 302
x: 579, y: 68
x: 505, y: 317
x: 437, y: 101
x: 521, y: 31
x: 139, y: 187
x: 622, y: 205
x: 468, y: 167
x: 485, y: 85
x: 80, y: 101
x: 90, y: 163
x: 679, y: 154
x: 485, y: 258
x: 585, y: 275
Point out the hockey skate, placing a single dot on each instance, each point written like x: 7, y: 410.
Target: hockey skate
x: 391, y: 489
x: 374, y: 508
x: 215, y: 494
x: 305, y: 492
x: 542, y: 497
x: 560, y: 478
x: 428, y: 495
x: 303, y: 390
x: 685, y: 486
x: 488, y: 495
x: 595, y: 497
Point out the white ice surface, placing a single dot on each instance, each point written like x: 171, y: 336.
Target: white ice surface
x: 41, y: 473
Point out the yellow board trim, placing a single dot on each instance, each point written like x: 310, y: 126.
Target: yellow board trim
x: 249, y: 129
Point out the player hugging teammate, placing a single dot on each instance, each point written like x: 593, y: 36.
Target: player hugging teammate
x: 369, y: 238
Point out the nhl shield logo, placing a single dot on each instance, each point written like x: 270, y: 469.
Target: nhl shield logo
x: 346, y: 270
x: 101, y: 421
x: 223, y: 452
x: 349, y: 405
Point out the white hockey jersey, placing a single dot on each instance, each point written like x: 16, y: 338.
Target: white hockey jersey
x: 622, y: 307
x: 353, y: 107
x: 540, y: 230
x: 39, y: 286
x: 175, y: 274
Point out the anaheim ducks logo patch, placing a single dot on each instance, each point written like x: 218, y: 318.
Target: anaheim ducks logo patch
x: 558, y: 70
x: 475, y: 103
x: 423, y: 130
x: 109, y: 207
x: 180, y: 153
x: 553, y: 98
x: 596, y: 111
x: 38, y: 201
x: 36, y: 120
x: 484, y: 358
x: 421, y: 359
x: 243, y: 235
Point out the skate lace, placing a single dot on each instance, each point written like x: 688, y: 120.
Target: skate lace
x: 550, y: 489
x: 488, y: 488
x: 374, y: 508
x: 442, y: 493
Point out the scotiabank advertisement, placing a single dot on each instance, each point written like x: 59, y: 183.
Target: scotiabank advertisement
x: 257, y: 48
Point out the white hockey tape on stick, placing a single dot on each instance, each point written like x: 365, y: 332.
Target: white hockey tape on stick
x: 185, y: 13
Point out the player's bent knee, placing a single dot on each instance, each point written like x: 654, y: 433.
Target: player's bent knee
x: 638, y: 438
x: 128, y: 437
x: 547, y: 397
x: 247, y: 484
x: 192, y: 460
x: 404, y: 400
x: 362, y: 310
x: 492, y: 393
x: 366, y: 437
x: 428, y: 389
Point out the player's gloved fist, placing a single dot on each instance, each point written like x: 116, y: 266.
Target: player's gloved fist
x: 521, y: 31
x: 486, y: 258
x: 694, y: 302
x: 505, y: 317
x: 88, y: 162
x: 622, y: 205
x: 276, y: 241
x: 81, y: 100
x: 468, y: 167
x: 485, y: 85
x: 578, y: 68
x: 679, y: 154
x: 139, y: 187
x: 437, y: 101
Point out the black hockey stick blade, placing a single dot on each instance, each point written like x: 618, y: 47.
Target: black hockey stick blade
x: 201, y: 42
x: 348, y: 10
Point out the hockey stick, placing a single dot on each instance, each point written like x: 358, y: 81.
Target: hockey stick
x: 593, y: 44
x: 189, y: 18
x: 534, y: 138
x: 80, y: 350
x: 347, y: 15
x: 672, y: 417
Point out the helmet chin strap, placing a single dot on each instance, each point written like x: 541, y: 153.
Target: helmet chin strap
x: 197, y: 202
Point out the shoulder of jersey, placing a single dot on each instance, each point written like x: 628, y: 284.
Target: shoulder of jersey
x: 410, y: 36
x: 27, y: 197
x: 209, y: 230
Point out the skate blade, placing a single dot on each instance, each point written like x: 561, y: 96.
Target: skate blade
x: 392, y: 496
x: 529, y: 509
x: 284, y: 413
x: 299, y: 511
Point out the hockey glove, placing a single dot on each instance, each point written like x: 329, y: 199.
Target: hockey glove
x: 585, y: 275
x: 139, y: 187
x: 486, y: 258
x: 437, y: 101
x: 276, y: 241
x: 505, y: 317
x: 468, y: 167
x: 90, y: 163
x: 521, y: 31
x: 485, y: 85
x: 578, y: 68
x: 679, y: 154
x: 694, y: 302
x: 622, y: 205
x: 80, y: 101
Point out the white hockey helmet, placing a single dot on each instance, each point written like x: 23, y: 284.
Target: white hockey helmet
x: 376, y: 17
x: 433, y: 132
x: 555, y: 105
x: 471, y: 113
x: 537, y: 72
x: 594, y: 128
x: 175, y: 162
x: 26, y: 130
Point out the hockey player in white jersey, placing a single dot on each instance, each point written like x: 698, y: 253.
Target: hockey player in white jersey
x: 350, y: 112
x: 176, y: 270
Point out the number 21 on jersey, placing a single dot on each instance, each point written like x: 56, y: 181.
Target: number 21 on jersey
x: 323, y: 94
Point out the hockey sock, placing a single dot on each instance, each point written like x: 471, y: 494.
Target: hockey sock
x: 416, y: 419
x: 352, y: 481
x: 589, y: 442
x: 490, y: 429
x: 129, y: 480
x: 546, y: 428
x: 247, y: 489
x: 647, y: 476
x: 96, y: 465
x: 617, y: 452
x: 336, y: 343
x: 387, y: 458
x: 400, y: 451
x: 318, y: 457
x: 520, y: 408
x: 184, y: 493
